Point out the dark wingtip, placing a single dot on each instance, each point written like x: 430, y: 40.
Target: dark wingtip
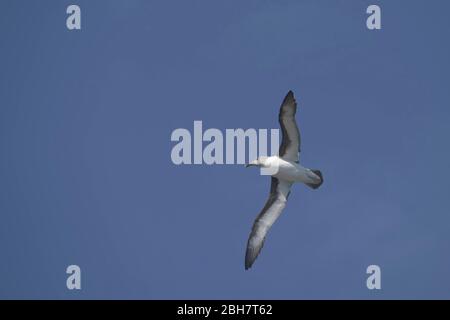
x: 248, y: 264
x: 289, y: 97
x: 248, y: 259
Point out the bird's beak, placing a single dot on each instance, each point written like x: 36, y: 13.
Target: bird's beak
x: 252, y: 164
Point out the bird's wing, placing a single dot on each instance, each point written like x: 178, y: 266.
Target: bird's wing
x: 279, y: 192
x: 290, y: 142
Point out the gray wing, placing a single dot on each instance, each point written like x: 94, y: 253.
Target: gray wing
x: 290, y: 142
x: 279, y: 192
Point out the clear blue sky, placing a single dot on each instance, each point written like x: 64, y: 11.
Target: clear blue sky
x: 86, y: 176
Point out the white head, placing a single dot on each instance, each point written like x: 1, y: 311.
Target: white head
x: 259, y: 162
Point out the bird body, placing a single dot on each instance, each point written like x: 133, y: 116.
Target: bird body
x: 285, y: 170
x: 290, y: 171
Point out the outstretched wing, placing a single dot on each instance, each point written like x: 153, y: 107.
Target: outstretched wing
x: 279, y: 192
x: 290, y: 142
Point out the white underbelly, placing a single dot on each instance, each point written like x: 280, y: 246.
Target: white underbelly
x: 293, y: 173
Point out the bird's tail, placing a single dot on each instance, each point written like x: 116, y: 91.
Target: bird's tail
x: 316, y: 185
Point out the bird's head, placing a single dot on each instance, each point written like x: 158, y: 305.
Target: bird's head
x: 259, y: 162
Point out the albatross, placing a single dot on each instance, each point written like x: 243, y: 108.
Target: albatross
x: 285, y: 170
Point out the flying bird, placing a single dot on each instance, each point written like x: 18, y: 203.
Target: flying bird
x: 285, y: 170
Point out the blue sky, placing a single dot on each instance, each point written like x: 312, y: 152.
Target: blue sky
x: 86, y: 176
